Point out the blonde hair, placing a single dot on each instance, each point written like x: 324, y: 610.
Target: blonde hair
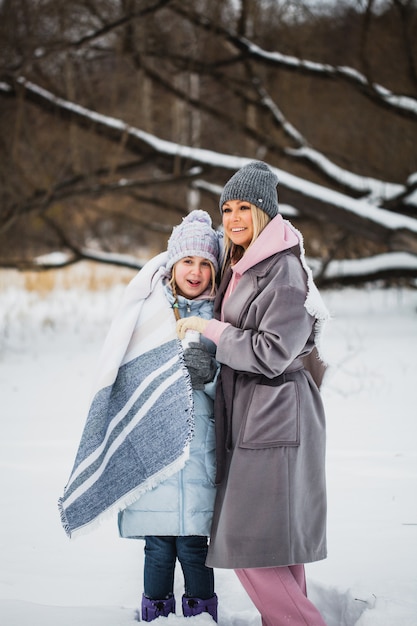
x: 173, y: 284
x: 233, y: 253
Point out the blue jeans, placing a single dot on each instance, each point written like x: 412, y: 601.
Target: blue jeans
x: 161, y: 554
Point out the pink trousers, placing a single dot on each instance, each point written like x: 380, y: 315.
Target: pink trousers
x: 280, y: 595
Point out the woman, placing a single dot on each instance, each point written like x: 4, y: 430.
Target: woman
x: 270, y: 510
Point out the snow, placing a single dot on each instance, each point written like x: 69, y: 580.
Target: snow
x: 49, y: 344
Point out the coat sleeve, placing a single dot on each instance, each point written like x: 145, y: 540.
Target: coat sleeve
x: 276, y: 329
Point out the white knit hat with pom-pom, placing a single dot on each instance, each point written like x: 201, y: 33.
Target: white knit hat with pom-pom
x: 194, y: 237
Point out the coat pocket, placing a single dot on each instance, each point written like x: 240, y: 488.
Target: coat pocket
x: 273, y: 417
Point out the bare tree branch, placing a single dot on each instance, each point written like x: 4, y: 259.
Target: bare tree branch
x: 54, y: 46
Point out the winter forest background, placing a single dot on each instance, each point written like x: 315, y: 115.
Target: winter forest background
x: 117, y: 117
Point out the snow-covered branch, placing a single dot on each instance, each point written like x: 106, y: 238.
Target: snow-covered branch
x: 378, y: 191
x: 402, y: 104
x: 343, y: 272
x: 370, y: 269
x: 352, y: 213
x: 381, y: 95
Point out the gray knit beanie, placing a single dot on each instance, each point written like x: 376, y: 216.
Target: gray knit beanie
x: 255, y: 183
x: 194, y: 237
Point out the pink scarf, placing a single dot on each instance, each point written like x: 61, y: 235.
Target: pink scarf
x: 277, y: 236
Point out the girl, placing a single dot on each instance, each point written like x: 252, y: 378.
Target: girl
x: 148, y: 446
x: 270, y: 510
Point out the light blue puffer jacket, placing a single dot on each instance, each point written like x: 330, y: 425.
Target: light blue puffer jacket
x: 182, y: 504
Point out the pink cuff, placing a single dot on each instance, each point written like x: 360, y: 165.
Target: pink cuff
x: 214, y: 330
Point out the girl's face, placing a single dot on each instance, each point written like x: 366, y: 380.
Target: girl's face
x: 192, y: 276
x: 237, y: 222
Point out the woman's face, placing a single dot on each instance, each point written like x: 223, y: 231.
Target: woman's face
x: 192, y: 276
x: 237, y: 222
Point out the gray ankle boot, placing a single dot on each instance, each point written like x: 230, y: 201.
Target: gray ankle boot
x: 151, y: 609
x: 195, y: 606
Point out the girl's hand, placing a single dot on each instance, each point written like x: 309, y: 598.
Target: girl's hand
x: 201, y: 366
x: 191, y: 323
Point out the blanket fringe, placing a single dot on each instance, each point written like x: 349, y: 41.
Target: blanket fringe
x: 63, y: 517
x: 123, y: 502
x: 190, y: 399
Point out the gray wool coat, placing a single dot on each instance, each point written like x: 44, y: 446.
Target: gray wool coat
x: 270, y: 507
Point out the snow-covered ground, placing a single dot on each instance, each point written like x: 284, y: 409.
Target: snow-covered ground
x: 48, y: 349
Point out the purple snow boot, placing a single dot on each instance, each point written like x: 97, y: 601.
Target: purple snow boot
x: 195, y: 606
x: 151, y: 609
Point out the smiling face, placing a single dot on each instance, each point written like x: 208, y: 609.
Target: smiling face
x: 237, y: 222
x: 192, y: 276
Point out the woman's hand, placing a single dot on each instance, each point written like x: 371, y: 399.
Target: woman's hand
x: 190, y: 323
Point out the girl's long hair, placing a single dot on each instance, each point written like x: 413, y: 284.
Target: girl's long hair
x: 233, y: 253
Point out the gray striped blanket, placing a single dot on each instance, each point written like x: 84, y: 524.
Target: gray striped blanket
x: 140, y: 421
